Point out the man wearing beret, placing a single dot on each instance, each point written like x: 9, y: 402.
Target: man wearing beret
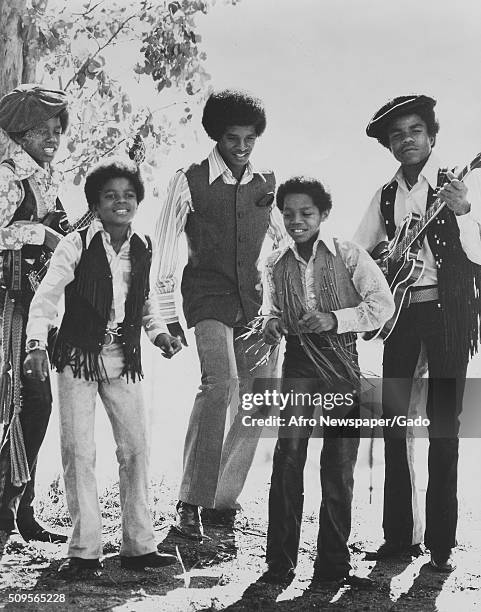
x: 35, y: 118
x: 439, y: 317
x: 224, y: 205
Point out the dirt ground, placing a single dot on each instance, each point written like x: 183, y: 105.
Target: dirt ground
x: 221, y: 573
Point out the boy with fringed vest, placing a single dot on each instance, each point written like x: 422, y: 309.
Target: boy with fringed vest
x: 104, y: 273
x: 317, y: 292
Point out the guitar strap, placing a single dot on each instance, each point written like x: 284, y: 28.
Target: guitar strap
x: 388, y: 198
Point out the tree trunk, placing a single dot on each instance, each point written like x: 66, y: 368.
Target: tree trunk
x: 18, y: 53
x: 11, y: 43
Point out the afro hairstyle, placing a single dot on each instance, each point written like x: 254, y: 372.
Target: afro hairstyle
x: 110, y: 169
x: 311, y: 187
x: 232, y: 107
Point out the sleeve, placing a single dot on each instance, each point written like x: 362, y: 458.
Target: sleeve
x: 276, y: 230
x: 19, y: 233
x: 371, y: 230
x: 470, y: 224
x: 377, y: 303
x: 169, y: 227
x: 152, y: 320
x: 270, y: 304
x: 44, y: 306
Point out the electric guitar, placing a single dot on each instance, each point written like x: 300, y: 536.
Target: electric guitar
x: 18, y: 273
x: 399, y: 258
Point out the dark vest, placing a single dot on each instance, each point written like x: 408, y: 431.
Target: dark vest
x: 459, y: 279
x: 225, y: 233
x: 88, y: 301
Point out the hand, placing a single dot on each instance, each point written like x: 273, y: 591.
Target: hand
x: 175, y: 329
x: 168, y: 344
x: 273, y: 331
x: 36, y: 365
x: 318, y: 322
x: 52, y: 238
x: 454, y: 194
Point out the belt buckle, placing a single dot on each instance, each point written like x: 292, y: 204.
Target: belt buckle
x: 110, y: 336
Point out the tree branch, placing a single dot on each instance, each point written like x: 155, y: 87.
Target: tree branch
x: 101, y: 48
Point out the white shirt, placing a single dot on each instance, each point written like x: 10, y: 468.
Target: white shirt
x: 43, y: 309
x: 172, y: 220
x: 377, y: 304
x: 372, y: 230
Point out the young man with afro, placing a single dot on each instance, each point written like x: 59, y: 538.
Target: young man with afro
x: 103, y: 273
x: 225, y: 206
x: 441, y: 314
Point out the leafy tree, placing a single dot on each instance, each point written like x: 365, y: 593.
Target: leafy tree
x: 76, y: 46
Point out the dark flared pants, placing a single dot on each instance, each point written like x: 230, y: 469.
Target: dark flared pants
x: 421, y: 323
x: 338, y: 458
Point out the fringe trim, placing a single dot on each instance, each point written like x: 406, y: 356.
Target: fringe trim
x: 85, y: 364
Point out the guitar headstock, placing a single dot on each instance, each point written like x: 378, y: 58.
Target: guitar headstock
x: 476, y: 162
x: 473, y: 165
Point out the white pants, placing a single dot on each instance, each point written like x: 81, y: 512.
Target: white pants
x: 124, y: 405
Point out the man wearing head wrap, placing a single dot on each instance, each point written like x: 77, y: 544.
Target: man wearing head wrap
x: 35, y: 118
x: 440, y: 316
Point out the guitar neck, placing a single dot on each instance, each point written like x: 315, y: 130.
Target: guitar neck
x: 418, y: 228
x: 83, y: 221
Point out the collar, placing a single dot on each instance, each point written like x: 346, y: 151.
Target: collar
x: 26, y: 166
x: 97, y: 226
x: 429, y: 172
x: 218, y: 167
x: 325, y: 236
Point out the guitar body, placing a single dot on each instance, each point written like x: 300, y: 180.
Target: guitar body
x: 398, y: 259
x: 23, y: 273
x: 401, y: 275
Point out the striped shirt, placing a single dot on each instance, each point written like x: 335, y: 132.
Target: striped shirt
x: 171, y: 224
x: 65, y: 259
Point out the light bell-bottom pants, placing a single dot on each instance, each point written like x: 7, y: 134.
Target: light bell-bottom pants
x: 124, y: 405
x: 215, y: 469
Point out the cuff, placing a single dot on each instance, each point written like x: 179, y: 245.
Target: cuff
x: 155, y: 330
x: 344, y: 317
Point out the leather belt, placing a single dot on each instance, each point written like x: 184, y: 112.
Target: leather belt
x: 112, y: 335
x: 424, y: 294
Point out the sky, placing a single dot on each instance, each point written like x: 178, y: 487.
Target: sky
x: 323, y: 68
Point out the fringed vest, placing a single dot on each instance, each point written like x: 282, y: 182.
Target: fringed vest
x: 88, y: 302
x: 334, y: 292
x: 459, y: 279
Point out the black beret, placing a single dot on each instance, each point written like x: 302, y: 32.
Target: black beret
x: 29, y: 105
x: 402, y: 105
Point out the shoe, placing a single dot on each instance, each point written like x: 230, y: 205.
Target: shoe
x: 390, y: 550
x: 153, y: 559
x: 278, y: 576
x: 188, y: 523
x: 321, y: 582
x: 4, y: 537
x: 218, y: 518
x: 75, y: 567
x: 443, y: 562
x: 35, y: 531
